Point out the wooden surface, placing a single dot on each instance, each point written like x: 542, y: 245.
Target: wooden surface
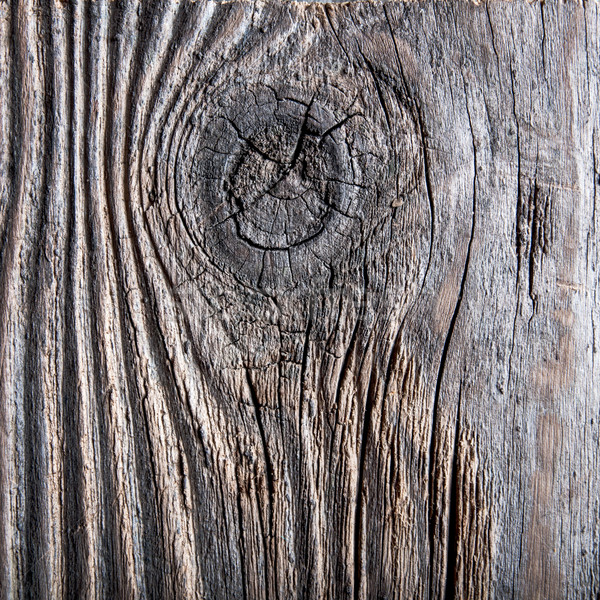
x: 299, y: 300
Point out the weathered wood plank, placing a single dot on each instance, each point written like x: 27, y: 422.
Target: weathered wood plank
x: 299, y: 300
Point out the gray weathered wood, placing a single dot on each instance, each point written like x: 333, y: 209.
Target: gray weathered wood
x: 299, y: 300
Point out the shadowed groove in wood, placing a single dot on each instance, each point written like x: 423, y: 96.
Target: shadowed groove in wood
x: 298, y: 300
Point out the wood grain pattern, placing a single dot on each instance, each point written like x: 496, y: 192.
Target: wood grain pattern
x: 299, y: 300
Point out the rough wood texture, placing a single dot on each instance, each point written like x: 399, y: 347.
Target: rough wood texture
x: 299, y: 300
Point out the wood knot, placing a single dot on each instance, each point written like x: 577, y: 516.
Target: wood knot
x: 277, y: 184
x: 280, y: 184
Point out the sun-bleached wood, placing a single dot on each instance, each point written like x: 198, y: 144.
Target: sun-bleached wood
x: 299, y: 300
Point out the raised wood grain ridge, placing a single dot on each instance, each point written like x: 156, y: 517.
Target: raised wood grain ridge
x: 299, y: 300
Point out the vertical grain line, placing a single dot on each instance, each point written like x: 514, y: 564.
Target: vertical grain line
x: 36, y: 578
x: 453, y: 525
x: 433, y: 491
x: 268, y: 475
x: 303, y: 551
x: 73, y: 482
x: 8, y: 206
x: 358, y: 516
